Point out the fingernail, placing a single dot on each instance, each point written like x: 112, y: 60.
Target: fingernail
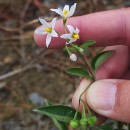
x: 101, y: 95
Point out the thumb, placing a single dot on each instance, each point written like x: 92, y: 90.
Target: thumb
x: 110, y: 98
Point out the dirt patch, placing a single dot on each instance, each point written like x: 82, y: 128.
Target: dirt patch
x: 26, y: 69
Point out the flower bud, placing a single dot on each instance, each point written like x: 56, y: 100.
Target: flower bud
x: 81, y: 50
x: 73, y: 57
x: 74, y: 123
x: 83, y: 122
x: 92, y: 120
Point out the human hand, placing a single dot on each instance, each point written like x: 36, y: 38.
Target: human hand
x: 109, y: 96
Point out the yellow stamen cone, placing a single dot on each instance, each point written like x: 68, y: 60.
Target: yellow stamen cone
x: 49, y: 30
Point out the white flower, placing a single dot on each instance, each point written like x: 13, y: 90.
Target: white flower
x: 73, y: 57
x: 66, y: 12
x: 47, y: 28
x: 72, y: 36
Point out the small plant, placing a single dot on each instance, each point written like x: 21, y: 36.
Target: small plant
x: 64, y: 116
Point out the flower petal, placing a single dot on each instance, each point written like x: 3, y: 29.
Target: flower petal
x: 70, y: 28
x: 66, y: 36
x: 72, y: 10
x: 45, y: 24
x: 54, y: 34
x: 53, y: 22
x: 48, y: 40
x: 58, y: 11
x: 72, y: 40
x: 66, y: 7
x: 77, y: 30
x: 40, y: 31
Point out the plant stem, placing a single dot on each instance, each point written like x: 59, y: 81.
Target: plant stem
x: 80, y: 99
x: 84, y: 91
x: 87, y: 65
x: 89, y: 112
x: 93, y: 79
x: 68, y: 50
x: 64, y: 24
x: 128, y: 125
x: 75, y: 116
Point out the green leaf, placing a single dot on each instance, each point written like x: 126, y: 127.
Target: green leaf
x: 86, y: 44
x: 59, y: 112
x: 78, y: 72
x: 106, y: 127
x: 100, y: 59
x: 60, y: 125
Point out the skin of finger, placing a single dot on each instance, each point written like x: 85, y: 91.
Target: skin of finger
x: 121, y: 109
x: 117, y: 65
x: 126, y: 75
x: 83, y: 85
x: 75, y: 101
x: 106, y: 28
x: 119, y: 52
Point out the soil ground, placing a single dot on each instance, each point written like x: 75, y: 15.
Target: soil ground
x: 28, y: 74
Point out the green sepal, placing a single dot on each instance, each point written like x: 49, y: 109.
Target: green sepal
x: 100, y: 59
x: 78, y: 72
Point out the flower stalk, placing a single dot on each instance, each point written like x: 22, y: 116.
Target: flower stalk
x: 84, y: 60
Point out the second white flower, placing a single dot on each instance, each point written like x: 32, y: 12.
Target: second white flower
x: 66, y: 12
x: 72, y: 36
x: 47, y: 28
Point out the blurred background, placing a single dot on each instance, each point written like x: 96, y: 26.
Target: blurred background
x: 30, y: 75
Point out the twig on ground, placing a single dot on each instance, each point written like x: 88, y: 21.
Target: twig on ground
x: 23, y: 14
x: 25, y: 36
x: 15, y: 72
x: 42, y: 8
x: 30, y: 65
x: 7, y: 29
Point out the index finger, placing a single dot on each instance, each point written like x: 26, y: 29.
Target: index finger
x: 106, y: 28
